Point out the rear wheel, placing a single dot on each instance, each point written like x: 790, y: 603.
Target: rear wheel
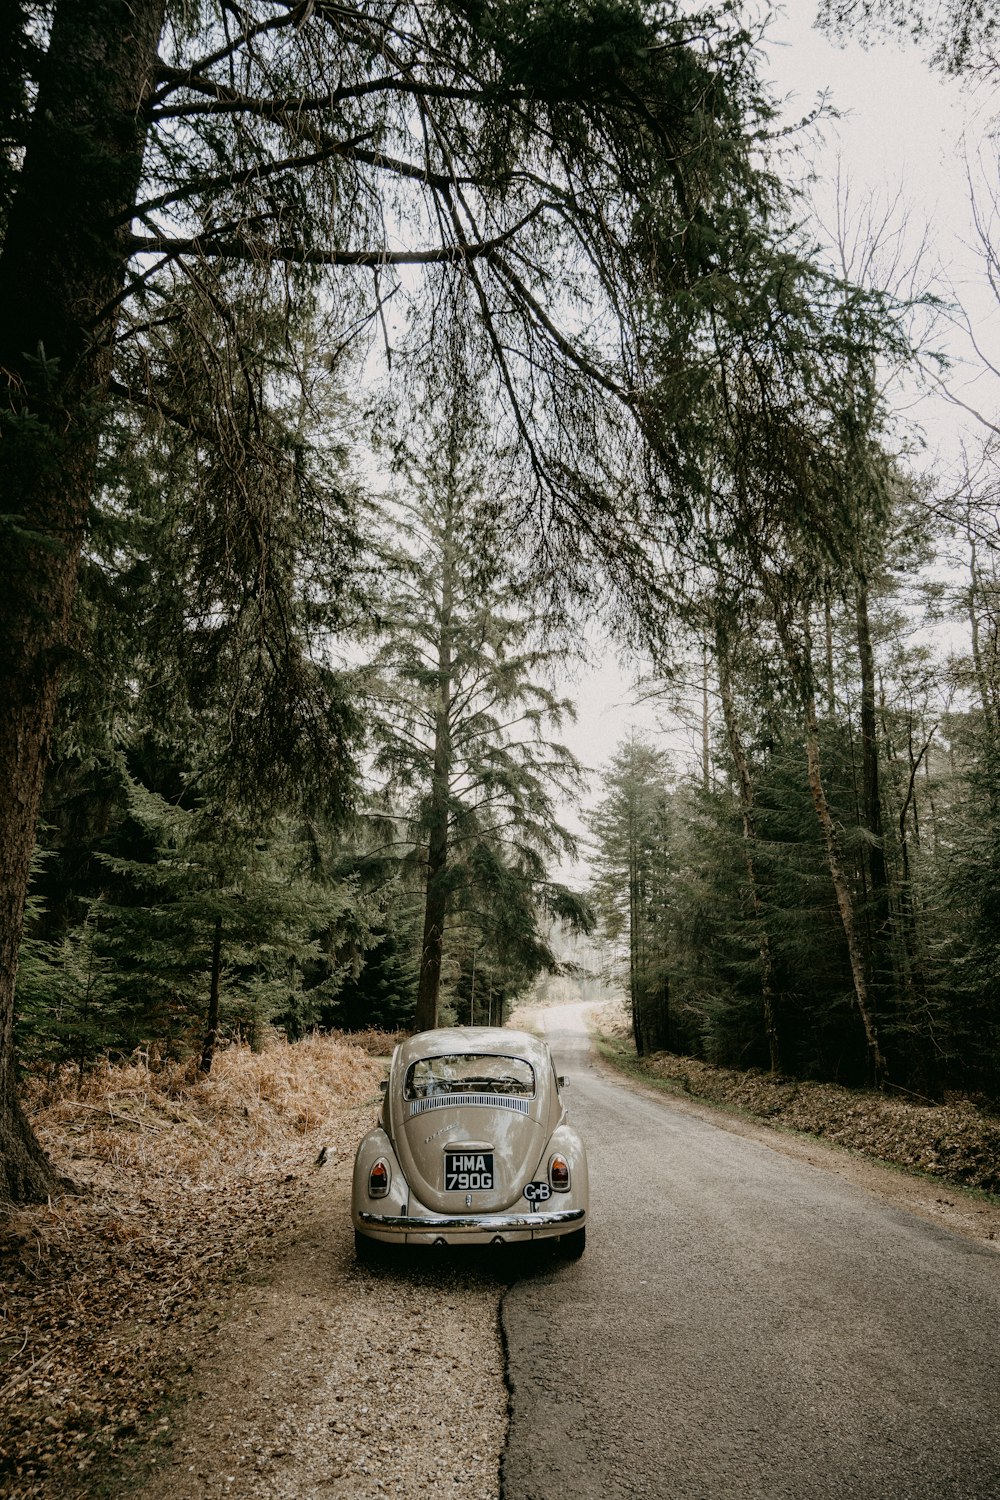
x: 367, y: 1250
x: 572, y: 1246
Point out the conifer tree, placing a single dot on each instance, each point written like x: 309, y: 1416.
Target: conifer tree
x: 199, y: 727
x: 461, y: 711
x: 149, y: 148
x: 630, y: 827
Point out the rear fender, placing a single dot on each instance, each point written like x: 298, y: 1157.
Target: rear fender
x: 565, y: 1140
x: 377, y: 1144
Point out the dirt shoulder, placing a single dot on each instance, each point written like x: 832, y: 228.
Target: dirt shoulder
x: 325, y: 1378
x: 193, y: 1323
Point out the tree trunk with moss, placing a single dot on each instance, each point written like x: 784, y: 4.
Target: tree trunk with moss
x: 61, y: 271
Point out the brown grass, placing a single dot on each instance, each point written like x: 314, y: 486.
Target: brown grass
x: 182, y: 1181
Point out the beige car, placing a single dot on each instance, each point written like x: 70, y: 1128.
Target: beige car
x: 472, y: 1147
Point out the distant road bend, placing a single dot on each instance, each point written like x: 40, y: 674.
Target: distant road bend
x: 745, y: 1326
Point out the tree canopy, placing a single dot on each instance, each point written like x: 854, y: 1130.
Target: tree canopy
x: 215, y: 215
x: 960, y: 35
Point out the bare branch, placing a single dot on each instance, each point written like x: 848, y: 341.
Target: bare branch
x: 209, y: 247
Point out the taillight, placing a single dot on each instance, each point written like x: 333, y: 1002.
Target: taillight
x: 379, y: 1178
x: 559, y: 1173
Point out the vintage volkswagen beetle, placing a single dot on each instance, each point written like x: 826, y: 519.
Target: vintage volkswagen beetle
x: 472, y: 1147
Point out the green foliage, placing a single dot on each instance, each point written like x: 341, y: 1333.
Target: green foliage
x: 384, y: 991
x: 673, y: 881
x: 462, y: 759
x: 137, y: 968
x: 65, y: 1001
x: 963, y: 956
x: 635, y: 847
x: 754, y: 917
x: 220, y: 554
x: 203, y: 753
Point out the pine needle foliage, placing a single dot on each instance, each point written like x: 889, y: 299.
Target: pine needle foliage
x: 464, y: 762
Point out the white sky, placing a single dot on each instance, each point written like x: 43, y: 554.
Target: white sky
x: 901, y: 133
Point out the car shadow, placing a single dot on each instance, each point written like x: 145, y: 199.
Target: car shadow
x: 467, y: 1265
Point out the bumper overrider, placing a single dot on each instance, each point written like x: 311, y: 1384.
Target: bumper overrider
x: 443, y: 1224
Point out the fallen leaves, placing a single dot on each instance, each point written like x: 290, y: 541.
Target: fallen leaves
x: 955, y: 1140
x: 107, y: 1293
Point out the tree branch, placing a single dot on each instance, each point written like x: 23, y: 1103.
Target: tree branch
x: 237, y: 248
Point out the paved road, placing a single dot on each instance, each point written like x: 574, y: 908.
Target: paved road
x: 744, y: 1326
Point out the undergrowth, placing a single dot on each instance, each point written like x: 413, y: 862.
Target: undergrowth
x: 956, y: 1141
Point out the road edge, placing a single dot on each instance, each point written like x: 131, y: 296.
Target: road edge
x: 964, y: 1211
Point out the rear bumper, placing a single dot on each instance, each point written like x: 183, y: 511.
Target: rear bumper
x: 428, y: 1228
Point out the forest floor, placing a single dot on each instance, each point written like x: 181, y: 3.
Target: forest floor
x: 193, y: 1323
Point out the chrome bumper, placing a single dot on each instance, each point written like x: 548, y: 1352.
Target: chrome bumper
x: 469, y: 1223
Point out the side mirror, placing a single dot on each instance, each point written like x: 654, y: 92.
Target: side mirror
x: 562, y: 1081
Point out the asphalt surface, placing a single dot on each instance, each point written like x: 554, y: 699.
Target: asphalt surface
x: 743, y: 1326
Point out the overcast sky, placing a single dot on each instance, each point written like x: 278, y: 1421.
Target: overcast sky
x: 904, y: 131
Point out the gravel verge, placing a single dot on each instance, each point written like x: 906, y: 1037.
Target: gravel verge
x: 194, y: 1322
x: 327, y: 1378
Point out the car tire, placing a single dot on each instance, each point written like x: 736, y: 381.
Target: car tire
x: 572, y: 1246
x: 367, y: 1252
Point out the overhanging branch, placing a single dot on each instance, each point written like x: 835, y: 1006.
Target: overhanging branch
x: 210, y: 247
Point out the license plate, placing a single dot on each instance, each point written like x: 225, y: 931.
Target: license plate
x: 467, y: 1171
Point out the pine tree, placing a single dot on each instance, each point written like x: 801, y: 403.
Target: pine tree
x: 178, y: 188
x: 630, y: 827
x: 199, y: 687
x: 461, y: 710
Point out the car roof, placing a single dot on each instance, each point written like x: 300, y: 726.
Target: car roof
x: 489, y: 1041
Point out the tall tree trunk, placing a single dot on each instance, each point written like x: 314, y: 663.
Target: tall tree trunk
x: 636, y: 978
x: 831, y: 680
x: 214, y: 987
x: 436, y: 889
x: 745, y: 781
x: 915, y: 947
x: 985, y: 670
x: 435, y: 904
x: 842, y: 891
x: 880, y: 928
x: 871, y: 798
x: 658, y: 1032
x: 800, y: 660
x: 61, y: 270
x: 706, y: 747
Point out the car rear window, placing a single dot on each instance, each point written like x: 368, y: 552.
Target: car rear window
x: 469, y: 1073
